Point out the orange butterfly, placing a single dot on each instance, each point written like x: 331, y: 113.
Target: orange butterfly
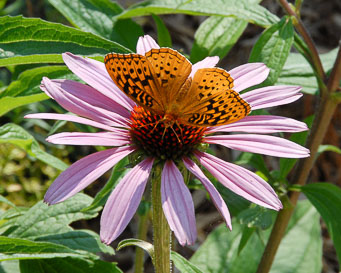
x: 160, y: 82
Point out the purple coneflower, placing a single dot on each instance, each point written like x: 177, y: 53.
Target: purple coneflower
x: 129, y: 128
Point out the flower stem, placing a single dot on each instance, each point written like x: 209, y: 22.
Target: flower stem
x: 161, y: 231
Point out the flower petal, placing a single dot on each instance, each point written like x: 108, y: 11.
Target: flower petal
x: 100, y: 139
x: 90, y: 95
x: 241, y: 181
x: 80, y: 107
x: 83, y: 172
x: 177, y: 204
x: 272, y: 96
x: 208, y: 62
x: 261, y: 144
x: 95, y: 74
x: 215, y: 196
x: 145, y: 44
x: 73, y: 119
x: 262, y: 125
x: 124, y: 200
x: 247, y: 75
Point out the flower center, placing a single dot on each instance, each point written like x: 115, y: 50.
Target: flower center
x: 163, y: 137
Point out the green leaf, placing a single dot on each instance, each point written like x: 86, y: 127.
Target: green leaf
x: 257, y: 217
x: 297, y: 71
x: 273, y: 48
x: 254, y: 160
x: 14, y: 134
x: 118, y: 172
x: 9, y: 266
x: 163, y: 36
x: 95, y: 16
x: 326, y: 198
x: 67, y: 265
x: 246, y: 235
x: 242, y: 9
x: 184, y: 265
x: 43, y: 220
x: 31, y: 40
x: 219, y: 253
x: 148, y: 247
x: 6, y: 201
x: 86, y: 240
x: 328, y: 148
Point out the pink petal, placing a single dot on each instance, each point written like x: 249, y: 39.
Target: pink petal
x: 272, y: 96
x: 262, y: 125
x: 208, y: 62
x: 248, y: 75
x: 80, y: 107
x: 71, y: 118
x: 145, y: 44
x: 261, y: 144
x: 241, y: 181
x: 177, y: 204
x: 100, y: 139
x: 95, y: 74
x: 91, y: 96
x: 215, y: 196
x: 124, y: 200
x: 83, y: 172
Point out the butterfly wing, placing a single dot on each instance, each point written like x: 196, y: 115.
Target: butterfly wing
x: 210, y: 100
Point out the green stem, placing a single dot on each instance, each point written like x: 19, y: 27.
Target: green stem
x: 161, y: 231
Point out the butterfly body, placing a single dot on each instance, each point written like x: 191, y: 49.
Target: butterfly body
x: 160, y: 82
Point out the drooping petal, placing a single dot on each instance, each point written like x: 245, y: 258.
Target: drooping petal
x: 215, y: 196
x: 208, y: 62
x: 81, y: 107
x: 247, y: 75
x: 90, y: 95
x: 262, y: 125
x: 100, y: 139
x: 124, y: 200
x: 145, y: 44
x: 272, y: 96
x: 95, y: 74
x: 73, y: 119
x: 241, y: 181
x: 177, y: 204
x: 83, y: 172
x: 260, y: 144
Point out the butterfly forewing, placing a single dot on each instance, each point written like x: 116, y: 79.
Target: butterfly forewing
x: 133, y: 74
x: 211, y: 100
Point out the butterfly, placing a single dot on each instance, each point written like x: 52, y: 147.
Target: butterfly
x: 159, y: 82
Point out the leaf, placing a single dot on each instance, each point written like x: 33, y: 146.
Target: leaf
x: 254, y: 160
x: 273, y: 48
x: 86, y: 240
x: 118, y: 172
x: 95, y: 16
x: 328, y: 148
x: 257, y: 217
x: 219, y: 252
x: 183, y: 265
x: 297, y: 71
x: 32, y: 40
x: 67, y: 265
x: 163, y: 36
x: 252, y: 13
x: 9, y: 266
x: 326, y: 198
x: 148, y: 247
x: 42, y: 220
x: 6, y: 201
x: 14, y: 134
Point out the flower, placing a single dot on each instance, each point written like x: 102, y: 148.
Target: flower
x: 129, y: 128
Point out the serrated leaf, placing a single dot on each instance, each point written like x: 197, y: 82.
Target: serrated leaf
x: 252, y: 13
x: 326, y: 198
x: 14, y: 134
x: 86, y: 240
x: 297, y: 71
x: 219, y: 252
x: 32, y: 40
x: 67, y: 265
x: 184, y: 265
x: 273, y: 48
x: 95, y: 16
x: 42, y: 220
x: 163, y: 36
